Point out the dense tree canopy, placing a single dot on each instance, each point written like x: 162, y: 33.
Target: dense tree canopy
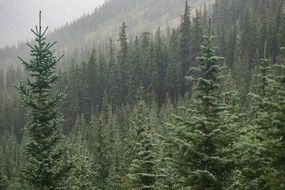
x: 198, y: 106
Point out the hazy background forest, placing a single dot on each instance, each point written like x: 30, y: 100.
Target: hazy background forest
x: 157, y: 94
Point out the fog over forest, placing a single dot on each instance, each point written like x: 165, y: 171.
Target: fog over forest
x: 16, y: 16
x: 142, y: 95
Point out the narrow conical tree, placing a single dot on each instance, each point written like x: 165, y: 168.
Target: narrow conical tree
x: 81, y: 175
x: 142, y: 171
x: 200, y: 135
x: 185, y: 49
x: 46, y: 165
x: 123, y: 63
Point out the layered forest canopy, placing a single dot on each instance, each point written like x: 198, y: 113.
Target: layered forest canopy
x: 160, y: 94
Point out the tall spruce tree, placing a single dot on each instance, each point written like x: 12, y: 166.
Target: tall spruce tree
x: 123, y: 63
x: 201, y: 135
x: 258, y: 143
x: 46, y: 165
x: 185, y: 48
x: 142, y: 171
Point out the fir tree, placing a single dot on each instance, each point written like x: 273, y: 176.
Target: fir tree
x: 46, y: 166
x: 278, y: 125
x: 142, y: 171
x: 81, y: 176
x: 201, y: 135
x: 196, y: 37
x: 257, y: 141
x: 185, y: 48
x: 123, y: 62
x: 92, y: 83
x: 161, y: 65
x: 173, y: 70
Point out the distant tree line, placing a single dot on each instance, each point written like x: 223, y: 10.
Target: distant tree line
x: 197, y: 107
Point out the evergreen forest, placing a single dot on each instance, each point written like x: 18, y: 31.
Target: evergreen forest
x: 180, y: 95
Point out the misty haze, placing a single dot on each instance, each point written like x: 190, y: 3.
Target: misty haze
x: 142, y: 95
x: 16, y: 16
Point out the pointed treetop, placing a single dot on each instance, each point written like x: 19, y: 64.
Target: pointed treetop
x: 187, y: 8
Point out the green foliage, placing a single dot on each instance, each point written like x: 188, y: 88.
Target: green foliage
x: 224, y: 129
x: 46, y: 167
x: 257, y: 142
x: 201, y: 136
x: 81, y: 175
x: 185, y: 49
x: 142, y: 170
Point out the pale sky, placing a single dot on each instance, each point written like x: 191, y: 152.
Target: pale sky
x: 18, y: 16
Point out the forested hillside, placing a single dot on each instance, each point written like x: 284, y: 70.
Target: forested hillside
x: 152, y: 104
x: 95, y: 29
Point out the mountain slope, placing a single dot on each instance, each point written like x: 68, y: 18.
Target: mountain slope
x: 17, y: 17
x: 139, y: 16
x: 98, y: 27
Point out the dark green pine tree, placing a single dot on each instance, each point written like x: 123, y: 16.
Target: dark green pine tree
x: 46, y: 165
x: 134, y: 70
x: 81, y: 176
x: 145, y: 57
x: 258, y: 145
x: 172, y: 72
x: 185, y: 48
x: 101, y: 80
x: 201, y: 136
x: 99, y: 148
x: 123, y: 63
x: 142, y: 171
x: 161, y: 65
x: 196, y: 39
x: 92, y: 83
x: 281, y: 30
x: 113, y: 90
x: 279, y: 125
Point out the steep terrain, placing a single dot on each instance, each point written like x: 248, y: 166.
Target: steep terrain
x: 96, y: 28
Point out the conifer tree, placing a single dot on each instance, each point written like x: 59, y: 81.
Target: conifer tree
x: 185, y: 48
x: 135, y: 71
x: 172, y: 72
x: 113, y: 91
x: 278, y: 125
x: 123, y: 62
x: 81, y: 175
x: 142, y: 171
x: 10, y: 160
x: 92, y: 83
x: 101, y: 80
x: 201, y: 136
x: 256, y: 142
x: 161, y: 65
x: 152, y: 75
x: 46, y: 165
x: 99, y: 149
x: 196, y: 37
x: 145, y: 57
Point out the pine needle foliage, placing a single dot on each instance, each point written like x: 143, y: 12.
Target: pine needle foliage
x: 200, y: 134
x: 46, y: 165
